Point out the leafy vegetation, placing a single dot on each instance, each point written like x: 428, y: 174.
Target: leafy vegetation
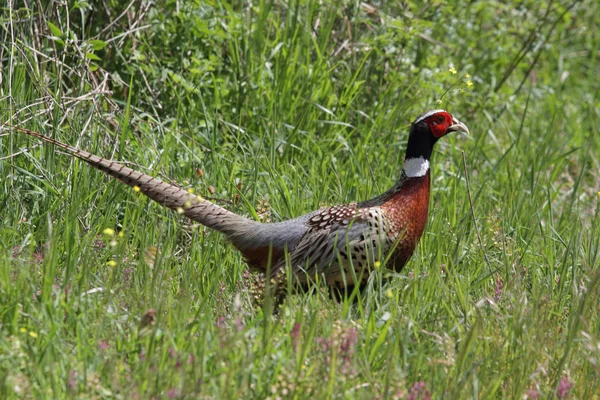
x: 272, y: 109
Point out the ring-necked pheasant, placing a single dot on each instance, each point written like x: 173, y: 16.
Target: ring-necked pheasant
x: 340, y: 243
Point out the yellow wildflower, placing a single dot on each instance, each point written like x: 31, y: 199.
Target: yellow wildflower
x: 32, y: 334
x: 180, y: 210
x: 469, y: 83
x: 377, y: 264
x: 467, y: 75
x: 23, y: 330
x: 109, y: 232
x: 191, y: 190
x: 452, y: 70
x: 112, y: 263
x: 121, y: 234
x: 389, y: 293
x: 136, y: 189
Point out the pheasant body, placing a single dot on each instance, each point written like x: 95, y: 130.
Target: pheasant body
x: 341, y: 243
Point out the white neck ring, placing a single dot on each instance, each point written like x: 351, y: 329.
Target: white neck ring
x: 415, y: 167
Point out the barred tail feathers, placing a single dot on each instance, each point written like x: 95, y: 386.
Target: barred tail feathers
x: 171, y: 196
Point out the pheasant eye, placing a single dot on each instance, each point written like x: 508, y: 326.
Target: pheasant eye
x: 440, y: 119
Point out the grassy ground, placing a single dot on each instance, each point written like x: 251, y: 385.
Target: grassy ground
x: 272, y: 109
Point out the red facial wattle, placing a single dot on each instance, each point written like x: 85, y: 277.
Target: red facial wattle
x: 439, y: 123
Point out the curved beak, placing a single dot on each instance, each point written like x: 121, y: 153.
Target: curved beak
x: 457, y: 126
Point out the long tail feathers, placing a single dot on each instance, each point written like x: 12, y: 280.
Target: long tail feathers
x: 171, y: 196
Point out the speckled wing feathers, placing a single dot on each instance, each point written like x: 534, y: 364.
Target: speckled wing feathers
x: 342, y: 242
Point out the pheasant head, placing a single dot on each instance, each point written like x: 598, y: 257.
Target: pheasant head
x: 424, y: 133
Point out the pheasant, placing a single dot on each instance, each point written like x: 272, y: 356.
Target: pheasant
x: 341, y: 243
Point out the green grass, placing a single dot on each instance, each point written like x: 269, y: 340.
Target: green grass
x: 286, y: 106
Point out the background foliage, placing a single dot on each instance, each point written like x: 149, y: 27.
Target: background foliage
x: 272, y: 109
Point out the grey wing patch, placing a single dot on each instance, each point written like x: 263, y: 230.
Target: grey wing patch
x: 312, y: 250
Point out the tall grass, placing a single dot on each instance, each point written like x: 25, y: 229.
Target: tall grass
x: 273, y: 109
